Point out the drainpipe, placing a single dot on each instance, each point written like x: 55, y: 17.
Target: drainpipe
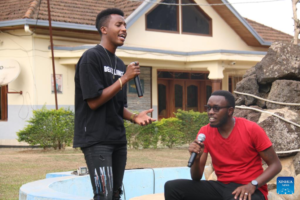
x: 52, y: 53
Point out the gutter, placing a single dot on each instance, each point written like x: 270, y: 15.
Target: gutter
x: 84, y: 47
x: 45, y: 23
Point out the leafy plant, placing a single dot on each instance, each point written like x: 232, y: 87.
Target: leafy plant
x: 191, y: 123
x: 170, y: 131
x: 49, y: 128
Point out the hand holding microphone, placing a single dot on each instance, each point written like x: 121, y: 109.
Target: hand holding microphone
x: 201, y: 138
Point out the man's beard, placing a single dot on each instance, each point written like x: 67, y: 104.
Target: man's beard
x: 222, y: 122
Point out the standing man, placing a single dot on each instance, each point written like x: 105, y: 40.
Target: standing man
x: 236, y: 146
x: 100, y: 101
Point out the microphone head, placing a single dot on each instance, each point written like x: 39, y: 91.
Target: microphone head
x: 201, y: 137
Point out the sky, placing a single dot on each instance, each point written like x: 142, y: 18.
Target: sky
x: 275, y: 13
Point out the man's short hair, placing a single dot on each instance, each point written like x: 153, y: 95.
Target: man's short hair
x: 228, y: 96
x: 103, y: 16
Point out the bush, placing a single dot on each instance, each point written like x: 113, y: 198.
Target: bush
x: 49, y: 128
x: 191, y: 123
x: 141, y: 136
x: 170, y: 132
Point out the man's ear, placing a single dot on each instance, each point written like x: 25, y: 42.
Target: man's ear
x: 103, y: 30
x: 230, y: 111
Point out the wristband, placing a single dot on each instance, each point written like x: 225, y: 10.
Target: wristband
x: 132, y: 117
x: 121, y: 85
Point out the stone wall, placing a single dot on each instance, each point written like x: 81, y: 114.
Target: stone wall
x: 134, y: 102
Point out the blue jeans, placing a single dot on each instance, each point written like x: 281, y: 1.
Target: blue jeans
x: 106, y: 164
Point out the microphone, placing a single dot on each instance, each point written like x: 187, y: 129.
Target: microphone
x: 201, y: 138
x: 138, y: 84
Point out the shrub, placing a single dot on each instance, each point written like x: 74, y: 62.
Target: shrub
x: 49, y: 128
x: 170, y: 132
x: 191, y: 123
x: 141, y: 136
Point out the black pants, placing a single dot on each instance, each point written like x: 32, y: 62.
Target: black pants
x: 106, y: 164
x: 203, y: 190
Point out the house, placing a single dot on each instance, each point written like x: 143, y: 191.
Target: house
x: 186, y: 52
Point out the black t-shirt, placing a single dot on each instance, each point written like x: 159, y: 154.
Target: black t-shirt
x: 93, y: 74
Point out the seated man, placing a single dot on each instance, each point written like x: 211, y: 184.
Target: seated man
x: 236, y: 146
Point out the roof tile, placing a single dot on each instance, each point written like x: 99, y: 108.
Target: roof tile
x: 268, y: 33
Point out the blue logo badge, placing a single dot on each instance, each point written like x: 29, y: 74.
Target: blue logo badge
x: 285, y: 185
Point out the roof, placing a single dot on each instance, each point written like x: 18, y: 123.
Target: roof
x: 70, y: 11
x: 268, y: 33
x: 84, y: 13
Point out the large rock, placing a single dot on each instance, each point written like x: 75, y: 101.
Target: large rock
x: 274, y: 196
x: 296, y: 162
x: 251, y: 115
x: 283, y: 135
x: 249, y: 72
x: 281, y: 62
x: 247, y: 85
x: 262, y: 103
x: 287, y: 170
x: 284, y: 91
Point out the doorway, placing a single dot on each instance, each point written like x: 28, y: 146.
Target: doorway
x: 188, y: 93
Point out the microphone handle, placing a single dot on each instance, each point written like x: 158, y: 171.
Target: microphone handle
x: 138, y: 86
x: 192, y: 159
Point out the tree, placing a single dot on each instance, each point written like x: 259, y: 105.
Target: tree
x: 296, y: 21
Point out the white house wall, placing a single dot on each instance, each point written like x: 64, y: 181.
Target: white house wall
x: 34, y: 81
x: 224, y: 37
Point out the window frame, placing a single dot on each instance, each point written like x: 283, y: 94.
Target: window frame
x: 158, y: 30
x: 206, y: 15
x: 3, y: 101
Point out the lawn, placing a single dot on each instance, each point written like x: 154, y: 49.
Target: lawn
x: 20, y: 166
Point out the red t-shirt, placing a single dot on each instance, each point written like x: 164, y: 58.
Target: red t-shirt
x: 236, y: 158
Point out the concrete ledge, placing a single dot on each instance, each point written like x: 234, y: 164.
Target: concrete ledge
x: 65, y: 186
x: 42, y: 190
x: 159, y: 196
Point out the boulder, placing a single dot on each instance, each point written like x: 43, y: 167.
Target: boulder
x: 251, y: 115
x: 287, y: 170
x: 283, y: 135
x: 213, y: 176
x: 247, y: 85
x: 296, y: 162
x: 262, y: 103
x: 208, y: 171
x: 284, y: 91
x: 274, y: 196
x: 249, y: 72
x: 281, y: 62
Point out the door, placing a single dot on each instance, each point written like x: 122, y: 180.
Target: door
x: 163, y: 99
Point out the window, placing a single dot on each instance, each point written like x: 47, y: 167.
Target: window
x: 3, y: 103
x: 194, y: 19
x: 166, y: 18
x: 163, y: 17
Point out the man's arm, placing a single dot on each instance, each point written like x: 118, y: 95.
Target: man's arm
x: 197, y: 168
x: 142, y: 118
x: 274, y: 167
x: 111, y: 91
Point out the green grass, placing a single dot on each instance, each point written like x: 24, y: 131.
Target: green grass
x: 19, y: 166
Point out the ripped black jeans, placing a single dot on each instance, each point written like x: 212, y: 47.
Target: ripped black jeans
x: 106, y: 164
